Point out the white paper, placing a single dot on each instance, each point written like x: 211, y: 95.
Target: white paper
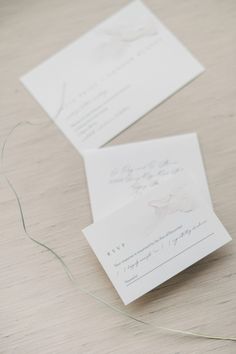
x: 111, y: 76
x: 117, y: 174
x: 155, y: 237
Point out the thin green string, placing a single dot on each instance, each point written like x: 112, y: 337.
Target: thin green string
x: 65, y: 267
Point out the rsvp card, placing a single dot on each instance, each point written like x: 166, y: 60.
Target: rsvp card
x: 155, y: 237
x: 118, y: 174
x: 111, y: 76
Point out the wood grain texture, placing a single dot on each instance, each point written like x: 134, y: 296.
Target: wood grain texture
x: 40, y: 310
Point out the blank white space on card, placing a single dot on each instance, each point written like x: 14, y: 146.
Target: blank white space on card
x: 117, y: 174
x: 155, y: 237
x: 111, y: 76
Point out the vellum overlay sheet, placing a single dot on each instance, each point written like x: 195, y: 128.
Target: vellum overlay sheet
x: 156, y: 236
x: 111, y: 76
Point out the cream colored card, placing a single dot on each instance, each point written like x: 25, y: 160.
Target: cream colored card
x: 118, y: 174
x: 155, y: 237
x: 111, y: 76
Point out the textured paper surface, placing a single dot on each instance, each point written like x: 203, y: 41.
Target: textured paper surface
x: 118, y: 174
x: 155, y: 237
x: 111, y: 76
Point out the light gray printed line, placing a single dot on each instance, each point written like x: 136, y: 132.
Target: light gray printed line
x: 170, y: 259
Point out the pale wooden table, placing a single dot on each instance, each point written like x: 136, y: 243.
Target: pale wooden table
x: 40, y: 310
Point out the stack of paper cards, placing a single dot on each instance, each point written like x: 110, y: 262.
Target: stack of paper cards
x: 112, y: 76
x: 150, y: 200
x: 152, y: 211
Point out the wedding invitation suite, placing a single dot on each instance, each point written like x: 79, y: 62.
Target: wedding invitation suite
x: 111, y: 76
x: 117, y: 174
x: 156, y: 236
x: 150, y: 199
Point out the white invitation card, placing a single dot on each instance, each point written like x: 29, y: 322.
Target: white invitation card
x: 118, y: 174
x: 111, y: 76
x: 155, y: 237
